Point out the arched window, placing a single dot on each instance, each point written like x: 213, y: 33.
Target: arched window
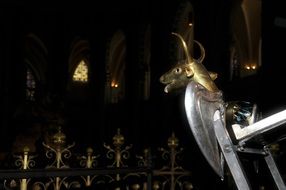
x: 245, y: 22
x: 115, y: 85
x: 30, y: 85
x: 35, y: 59
x: 81, y: 72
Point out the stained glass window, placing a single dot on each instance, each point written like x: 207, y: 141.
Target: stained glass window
x: 30, y: 85
x: 81, y: 72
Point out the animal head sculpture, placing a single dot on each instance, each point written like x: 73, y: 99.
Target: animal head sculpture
x: 190, y: 69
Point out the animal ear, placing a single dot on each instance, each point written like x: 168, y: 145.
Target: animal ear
x: 213, y: 75
x: 189, y: 72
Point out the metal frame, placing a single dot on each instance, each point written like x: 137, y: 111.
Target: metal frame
x: 229, y: 151
x: 200, y: 107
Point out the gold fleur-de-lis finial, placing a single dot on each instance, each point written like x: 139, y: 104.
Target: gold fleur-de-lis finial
x: 59, y: 138
x: 173, y: 141
x: 118, y: 139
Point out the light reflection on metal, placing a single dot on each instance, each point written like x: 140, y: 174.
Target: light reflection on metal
x: 173, y: 174
x: 58, y: 150
x: 192, y: 70
x: 259, y: 127
x: 60, y: 154
x: 24, y: 162
x: 145, y: 159
x: 135, y: 187
x: 88, y: 161
x: 156, y: 185
x: 118, y: 153
x: 200, y: 105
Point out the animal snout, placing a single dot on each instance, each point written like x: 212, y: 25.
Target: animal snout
x: 162, y: 79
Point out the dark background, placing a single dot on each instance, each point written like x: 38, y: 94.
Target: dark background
x: 86, y: 118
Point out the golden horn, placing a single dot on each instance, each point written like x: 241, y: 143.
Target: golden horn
x: 203, y: 52
x: 189, y: 58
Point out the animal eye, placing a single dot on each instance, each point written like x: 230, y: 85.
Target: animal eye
x: 178, y: 70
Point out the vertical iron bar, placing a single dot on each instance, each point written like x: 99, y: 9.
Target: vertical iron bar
x: 274, y: 170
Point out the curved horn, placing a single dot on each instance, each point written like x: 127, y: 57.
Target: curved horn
x: 189, y: 58
x: 203, y: 52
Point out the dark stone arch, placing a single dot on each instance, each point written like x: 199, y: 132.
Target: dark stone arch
x: 115, y: 67
x: 36, y: 56
x: 36, y: 59
x: 138, y: 56
x: 29, y: 116
x: 79, y: 50
x: 79, y: 106
x: 239, y: 32
x: 245, y: 23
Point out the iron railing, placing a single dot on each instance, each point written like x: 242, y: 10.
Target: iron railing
x: 64, y: 169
